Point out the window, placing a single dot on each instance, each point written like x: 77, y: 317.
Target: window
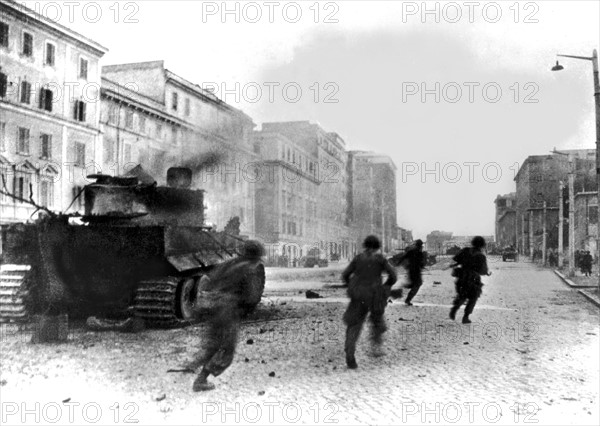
x: 27, y: 47
x: 46, y: 96
x: 46, y: 146
x: 127, y: 153
x: 159, y: 131
x: 23, y: 141
x: 174, y: 135
x: 2, y: 136
x: 3, y: 34
x: 79, y: 111
x: 22, y: 187
x: 129, y: 119
x: 83, y: 68
x: 158, y: 159
x: 25, y: 92
x: 113, y: 114
x: 3, y: 84
x: 46, y: 193
x: 592, y: 214
x: 109, y: 151
x: 174, y: 99
x: 79, y: 152
x: 283, y: 152
x: 187, y: 107
x: 50, y: 54
x: 142, y: 122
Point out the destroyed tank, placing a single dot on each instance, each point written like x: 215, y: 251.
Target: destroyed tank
x: 140, y: 250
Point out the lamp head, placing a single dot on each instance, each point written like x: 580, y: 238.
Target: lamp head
x: 557, y: 67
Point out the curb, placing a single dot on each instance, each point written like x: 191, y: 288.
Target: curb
x: 590, y: 298
x: 573, y: 285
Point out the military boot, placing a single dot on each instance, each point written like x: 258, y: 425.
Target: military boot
x: 351, y: 362
x: 201, y: 383
x: 453, y: 313
x: 466, y: 320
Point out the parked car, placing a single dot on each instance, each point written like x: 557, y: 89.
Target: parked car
x: 509, y: 253
x: 431, y: 259
x: 313, y: 258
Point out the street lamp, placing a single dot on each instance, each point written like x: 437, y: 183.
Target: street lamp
x: 594, y: 59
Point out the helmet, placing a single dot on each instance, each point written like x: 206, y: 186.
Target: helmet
x: 253, y: 249
x: 478, y: 242
x: 372, y: 242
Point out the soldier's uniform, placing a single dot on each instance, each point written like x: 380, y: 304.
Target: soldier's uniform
x: 468, y: 283
x: 227, y: 290
x: 416, y: 262
x: 367, y: 295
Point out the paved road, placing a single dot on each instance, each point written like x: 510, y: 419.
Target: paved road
x: 530, y: 356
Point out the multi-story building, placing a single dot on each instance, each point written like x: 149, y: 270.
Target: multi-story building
x: 538, y: 183
x: 372, y: 197
x: 506, y: 220
x: 402, y: 239
x: 286, y: 196
x: 49, y: 110
x: 194, y: 129
x: 321, y: 155
x: 435, y: 241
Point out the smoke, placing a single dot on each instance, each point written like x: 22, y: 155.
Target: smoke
x: 204, y: 161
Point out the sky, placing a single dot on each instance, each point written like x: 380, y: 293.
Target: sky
x: 457, y: 97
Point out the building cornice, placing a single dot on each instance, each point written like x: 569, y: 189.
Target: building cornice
x: 19, y: 11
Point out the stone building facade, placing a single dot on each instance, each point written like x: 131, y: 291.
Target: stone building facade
x: 505, y: 222
x: 194, y: 129
x: 435, y: 240
x: 538, y: 181
x: 287, y: 217
x: 49, y: 112
x: 312, y: 211
x: 372, y: 197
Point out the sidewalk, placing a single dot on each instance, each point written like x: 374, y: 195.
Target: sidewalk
x: 587, y: 286
x: 332, y: 272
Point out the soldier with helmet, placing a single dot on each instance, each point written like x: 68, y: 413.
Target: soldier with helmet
x: 229, y: 284
x: 367, y: 295
x: 470, y: 265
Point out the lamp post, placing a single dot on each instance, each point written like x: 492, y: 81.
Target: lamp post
x: 594, y: 59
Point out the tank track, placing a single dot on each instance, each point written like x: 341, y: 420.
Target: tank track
x: 13, y: 293
x: 155, y: 302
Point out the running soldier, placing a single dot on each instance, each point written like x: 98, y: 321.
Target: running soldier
x: 224, y: 315
x: 470, y: 265
x: 416, y: 261
x: 367, y: 294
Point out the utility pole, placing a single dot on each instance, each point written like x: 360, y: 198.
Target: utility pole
x: 560, y: 224
x: 523, y: 234
x: 516, y: 232
x: 531, y: 245
x: 544, y: 235
x: 571, y: 222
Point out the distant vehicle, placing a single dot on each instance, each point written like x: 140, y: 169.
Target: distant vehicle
x: 453, y: 250
x: 313, y: 258
x: 431, y: 259
x: 509, y: 253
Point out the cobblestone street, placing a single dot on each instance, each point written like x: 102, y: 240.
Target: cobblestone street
x: 531, y: 355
